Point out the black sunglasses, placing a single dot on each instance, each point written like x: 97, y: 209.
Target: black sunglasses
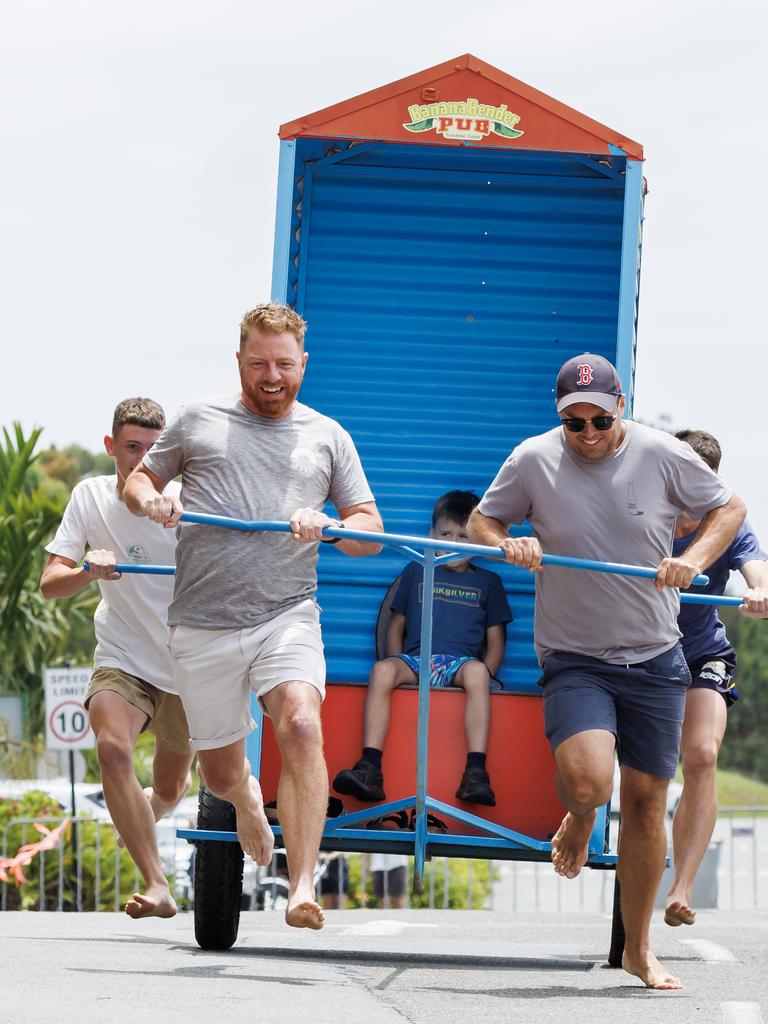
x: 575, y: 425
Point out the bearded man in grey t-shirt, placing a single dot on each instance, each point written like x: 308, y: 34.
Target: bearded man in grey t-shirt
x: 613, y: 673
x: 244, y: 617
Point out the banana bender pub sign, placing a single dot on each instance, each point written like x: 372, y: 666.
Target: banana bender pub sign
x: 467, y: 120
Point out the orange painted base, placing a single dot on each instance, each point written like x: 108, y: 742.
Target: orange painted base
x: 520, y: 762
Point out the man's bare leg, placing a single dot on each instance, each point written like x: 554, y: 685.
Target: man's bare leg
x: 302, y: 795
x: 227, y: 775
x: 642, y: 851
x: 696, y: 814
x: 170, y: 781
x: 116, y: 724
x: 584, y: 782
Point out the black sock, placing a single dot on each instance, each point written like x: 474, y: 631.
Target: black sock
x: 475, y: 760
x: 373, y: 756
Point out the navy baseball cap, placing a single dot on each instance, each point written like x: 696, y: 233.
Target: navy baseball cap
x: 588, y: 378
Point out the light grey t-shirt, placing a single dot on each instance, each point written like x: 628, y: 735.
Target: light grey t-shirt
x: 618, y: 509
x: 235, y: 463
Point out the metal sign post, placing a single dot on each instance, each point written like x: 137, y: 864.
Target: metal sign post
x: 67, y: 728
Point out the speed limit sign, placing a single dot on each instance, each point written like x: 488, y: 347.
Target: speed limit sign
x: 66, y: 720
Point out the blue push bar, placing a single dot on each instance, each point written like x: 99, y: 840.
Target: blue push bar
x: 398, y: 540
x: 169, y: 570
x: 138, y: 567
x: 711, y: 599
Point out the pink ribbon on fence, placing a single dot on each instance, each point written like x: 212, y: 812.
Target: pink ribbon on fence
x: 25, y: 854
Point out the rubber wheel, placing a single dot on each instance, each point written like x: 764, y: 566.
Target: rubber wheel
x: 617, y: 928
x: 218, y: 876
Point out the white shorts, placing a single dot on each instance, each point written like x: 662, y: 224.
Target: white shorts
x: 216, y: 670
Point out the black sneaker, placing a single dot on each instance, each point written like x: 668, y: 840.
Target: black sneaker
x: 364, y: 781
x: 475, y: 788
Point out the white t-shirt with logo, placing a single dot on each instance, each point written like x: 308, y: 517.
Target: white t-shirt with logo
x: 131, y: 619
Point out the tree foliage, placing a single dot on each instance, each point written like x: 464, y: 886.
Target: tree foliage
x: 745, y: 749
x: 90, y: 853
x: 69, y: 465
x: 455, y: 883
x: 35, y: 632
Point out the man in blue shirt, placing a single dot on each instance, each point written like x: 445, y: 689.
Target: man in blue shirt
x: 469, y: 619
x: 711, y: 659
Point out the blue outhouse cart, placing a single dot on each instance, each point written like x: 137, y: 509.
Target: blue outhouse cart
x: 451, y: 238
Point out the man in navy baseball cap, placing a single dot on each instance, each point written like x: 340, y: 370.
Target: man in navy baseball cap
x: 588, y: 378
x: 614, y: 676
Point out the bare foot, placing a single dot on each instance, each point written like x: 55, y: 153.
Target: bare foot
x: 303, y: 913
x: 647, y: 968
x: 159, y: 809
x: 570, y: 844
x: 253, y: 831
x: 155, y: 902
x: 678, y: 912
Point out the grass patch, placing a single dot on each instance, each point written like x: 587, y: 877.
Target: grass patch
x: 735, y: 790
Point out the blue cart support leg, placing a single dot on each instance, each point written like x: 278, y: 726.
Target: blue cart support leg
x: 420, y: 842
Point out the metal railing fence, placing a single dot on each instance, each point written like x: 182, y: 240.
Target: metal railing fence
x: 87, y: 871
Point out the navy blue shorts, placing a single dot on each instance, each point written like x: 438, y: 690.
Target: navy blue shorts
x: 716, y: 674
x: 642, y: 705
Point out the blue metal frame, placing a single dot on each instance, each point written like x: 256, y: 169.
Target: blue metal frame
x: 340, y: 833
x: 283, y: 217
x: 407, y: 543
x: 718, y: 599
x: 253, y: 742
x: 306, y: 207
x: 629, y: 283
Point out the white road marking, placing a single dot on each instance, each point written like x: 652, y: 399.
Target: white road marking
x: 383, y: 927
x: 710, y: 951
x: 742, y: 1013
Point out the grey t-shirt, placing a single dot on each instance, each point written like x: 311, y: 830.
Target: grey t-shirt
x: 618, y: 509
x: 235, y: 463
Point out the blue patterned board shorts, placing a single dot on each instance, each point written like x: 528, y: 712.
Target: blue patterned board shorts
x: 443, y: 667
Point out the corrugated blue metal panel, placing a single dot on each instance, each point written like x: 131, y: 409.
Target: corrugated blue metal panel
x: 443, y: 289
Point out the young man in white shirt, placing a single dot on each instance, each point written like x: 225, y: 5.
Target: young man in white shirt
x: 132, y: 686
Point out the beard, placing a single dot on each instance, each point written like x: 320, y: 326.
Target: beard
x: 272, y: 407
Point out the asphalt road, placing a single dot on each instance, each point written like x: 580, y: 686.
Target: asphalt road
x: 375, y: 967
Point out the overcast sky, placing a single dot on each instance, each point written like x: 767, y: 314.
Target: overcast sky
x: 138, y: 172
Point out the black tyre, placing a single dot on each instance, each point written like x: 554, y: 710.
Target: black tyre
x: 617, y: 928
x: 218, y: 876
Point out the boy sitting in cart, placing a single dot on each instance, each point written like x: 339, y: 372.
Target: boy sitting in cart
x: 469, y: 635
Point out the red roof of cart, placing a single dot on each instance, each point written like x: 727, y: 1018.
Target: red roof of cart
x: 463, y: 101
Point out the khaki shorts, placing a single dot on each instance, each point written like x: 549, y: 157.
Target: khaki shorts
x: 165, y: 712
x: 217, y: 669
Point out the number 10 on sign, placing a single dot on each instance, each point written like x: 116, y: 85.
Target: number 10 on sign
x: 66, y: 720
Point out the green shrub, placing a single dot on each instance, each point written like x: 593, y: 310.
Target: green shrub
x: 100, y: 859
x: 469, y: 883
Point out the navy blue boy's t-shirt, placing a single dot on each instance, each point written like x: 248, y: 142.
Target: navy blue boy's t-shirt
x: 466, y: 604
x: 702, y: 628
